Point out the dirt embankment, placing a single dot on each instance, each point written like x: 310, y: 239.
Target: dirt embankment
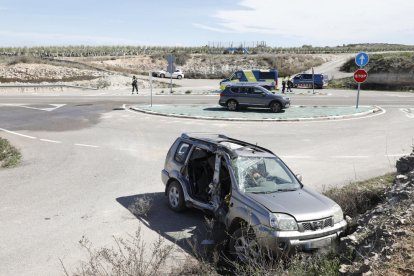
x: 212, y: 66
x: 382, y: 239
x: 386, y: 71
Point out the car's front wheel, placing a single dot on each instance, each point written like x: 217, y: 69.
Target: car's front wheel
x: 179, y: 77
x: 275, y: 107
x: 162, y: 76
x: 232, y: 105
x: 175, y: 197
x: 243, y: 245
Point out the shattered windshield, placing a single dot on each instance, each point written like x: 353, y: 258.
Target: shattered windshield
x: 263, y: 175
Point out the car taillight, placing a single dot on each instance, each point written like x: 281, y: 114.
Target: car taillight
x: 221, y: 94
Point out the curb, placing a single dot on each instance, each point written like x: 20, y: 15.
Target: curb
x: 375, y: 109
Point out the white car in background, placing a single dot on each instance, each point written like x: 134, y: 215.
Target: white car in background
x: 164, y: 74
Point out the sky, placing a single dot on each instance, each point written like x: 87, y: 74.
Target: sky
x: 278, y: 23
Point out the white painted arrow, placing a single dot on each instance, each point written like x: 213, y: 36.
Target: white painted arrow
x: 362, y: 58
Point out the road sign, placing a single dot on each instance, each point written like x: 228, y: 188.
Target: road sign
x: 361, y: 59
x: 171, y: 64
x: 171, y: 58
x: 171, y: 68
x: 360, y: 75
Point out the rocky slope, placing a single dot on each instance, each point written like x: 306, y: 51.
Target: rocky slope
x: 383, y: 240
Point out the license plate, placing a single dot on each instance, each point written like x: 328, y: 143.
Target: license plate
x: 319, y: 243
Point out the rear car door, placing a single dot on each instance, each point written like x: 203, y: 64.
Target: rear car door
x: 257, y: 97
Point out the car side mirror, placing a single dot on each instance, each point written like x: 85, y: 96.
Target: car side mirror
x: 299, y: 177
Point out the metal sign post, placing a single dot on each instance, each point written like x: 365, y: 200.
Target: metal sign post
x: 171, y: 68
x: 360, y: 75
x: 313, y: 81
x: 150, y: 79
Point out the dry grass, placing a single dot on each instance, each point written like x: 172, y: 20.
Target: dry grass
x: 141, y: 206
x: 356, y: 198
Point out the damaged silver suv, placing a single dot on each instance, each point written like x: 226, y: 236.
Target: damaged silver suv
x: 252, y: 192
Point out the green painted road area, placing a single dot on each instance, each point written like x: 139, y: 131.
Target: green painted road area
x: 294, y: 113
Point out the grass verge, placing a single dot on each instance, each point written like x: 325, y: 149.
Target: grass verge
x: 9, y: 155
x: 358, y: 197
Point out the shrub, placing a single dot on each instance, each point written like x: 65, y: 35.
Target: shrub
x: 102, y: 83
x: 9, y: 155
x: 141, y: 206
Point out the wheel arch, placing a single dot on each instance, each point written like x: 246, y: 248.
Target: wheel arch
x: 277, y: 101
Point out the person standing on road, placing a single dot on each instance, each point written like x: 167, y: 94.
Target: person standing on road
x: 134, y: 84
x: 283, y: 85
x: 289, y: 85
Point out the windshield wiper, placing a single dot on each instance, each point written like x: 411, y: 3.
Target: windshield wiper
x: 286, y: 190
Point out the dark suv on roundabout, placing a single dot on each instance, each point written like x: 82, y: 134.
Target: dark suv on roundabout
x: 240, y: 95
x: 249, y: 189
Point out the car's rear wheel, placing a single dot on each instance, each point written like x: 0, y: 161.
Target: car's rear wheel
x: 275, y: 107
x: 162, y: 76
x: 232, y: 105
x: 243, y: 245
x: 179, y: 77
x: 175, y: 197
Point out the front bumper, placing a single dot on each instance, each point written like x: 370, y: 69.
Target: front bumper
x: 306, y: 240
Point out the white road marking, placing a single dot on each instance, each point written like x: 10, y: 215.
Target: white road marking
x: 409, y: 112
x: 51, y: 141
x: 16, y: 133
x: 399, y: 96
x: 85, y: 145
x: 351, y: 156
x: 56, y: 106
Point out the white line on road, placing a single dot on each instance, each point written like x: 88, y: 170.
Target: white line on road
x: 51, y: 141
x: 19, y: 134
x: 85, y: 145
x: 351, y: 156
x: 396, y: 155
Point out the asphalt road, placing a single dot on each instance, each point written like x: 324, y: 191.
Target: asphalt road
x: 85, y: 162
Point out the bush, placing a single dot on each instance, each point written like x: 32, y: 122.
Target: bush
x: 102, y: 83
x: 9, y: 155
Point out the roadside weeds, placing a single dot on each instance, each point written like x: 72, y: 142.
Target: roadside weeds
x: 9, y: 155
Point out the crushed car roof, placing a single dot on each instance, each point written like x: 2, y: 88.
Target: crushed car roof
x: 231, y: 146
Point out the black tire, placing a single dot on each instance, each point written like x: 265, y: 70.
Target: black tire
x: 232, y: 105
x: 175, y: 197
x: 275, y: 107
x: 162, y: 76
x: 179, y: 77
x: 243, y: 246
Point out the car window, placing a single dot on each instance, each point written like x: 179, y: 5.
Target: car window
x: 234, y: 89
x: 182, y: 152
x: 267, y: 75
x: 257, y: 90
x: 238, y: 75
x: 307, y: 76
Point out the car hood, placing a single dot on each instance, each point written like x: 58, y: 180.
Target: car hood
x: 304, y: 204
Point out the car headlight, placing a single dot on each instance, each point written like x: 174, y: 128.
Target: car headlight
x: 282, y: 222
x: 338, y: 214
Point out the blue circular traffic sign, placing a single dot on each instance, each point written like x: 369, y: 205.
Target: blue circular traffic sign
x: 361, y: 59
